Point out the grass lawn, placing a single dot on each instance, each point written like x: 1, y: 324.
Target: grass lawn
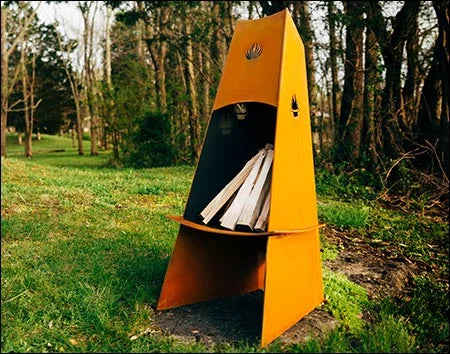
x: 43, y: 152
x: 85, y: 249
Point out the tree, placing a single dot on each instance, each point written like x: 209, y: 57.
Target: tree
x: 442, y: 13
x: 26, y: 16
x: 433, y: 117
x: 302, y: 19
x: 52, y: 84
x: 335, y: 87
x: 194, y: 124
x: 156, y: 17
x: 28, y: 92
x: 75, y: 86
x: 351, y: 116
x: 371, y: 80
x: 90, y: 89
x: 392, y: 45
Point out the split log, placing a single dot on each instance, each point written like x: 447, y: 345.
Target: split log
x: 230, y: 217
x: 225, y: 194
x: 254, y: 203
x: 261, y: 224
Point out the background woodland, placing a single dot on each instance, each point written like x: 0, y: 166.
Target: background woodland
x: 143, y: 86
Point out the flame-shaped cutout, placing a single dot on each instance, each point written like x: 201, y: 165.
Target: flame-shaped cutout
x: 240, y: 110
x: 254, y: 51
x: 294, y: 106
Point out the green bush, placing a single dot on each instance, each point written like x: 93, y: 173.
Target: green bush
x: 151, y: 142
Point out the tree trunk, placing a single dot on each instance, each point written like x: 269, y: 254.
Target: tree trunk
x: 155, y: 31
x: 158, y: 56
x: 219, y: 43
x: 5, y: 82
x: 108, y: 46
x: 206, y: 89
x: 5, y: 54
x: 411, y: 83
x: 351, y: 117
x: 194, y: 124
x: 115, y: 144
x: 19, y: 138
x: 392, y: 113
x: 157, y: 46
x: 182, y: 110
x: 79, y: 127
x: 95, y: 141
x: 32, y: 86
x: 140, y: 41
x: 77, y: 99
x: 335, y: 88
x: 74, y: 140
x: 28, y: 144
x: 26, y: 106
x: 370, y: 81
x: 94, y: 125
x: 90, y: 93
x: 442, y: 12
x: 302, y: 19
x: 161, y: 75
x: 205, y: 67
x: 109, y: 114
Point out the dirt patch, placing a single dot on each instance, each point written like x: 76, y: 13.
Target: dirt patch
x: 235, y: 319
x: 371, y: 267
x: 239, y: 318
x: 229, y: 319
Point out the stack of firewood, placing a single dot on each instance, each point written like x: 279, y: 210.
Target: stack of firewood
x: 246, y: 196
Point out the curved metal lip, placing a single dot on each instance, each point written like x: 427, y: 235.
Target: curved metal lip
x: 242, y: 101
x: 182, y: 221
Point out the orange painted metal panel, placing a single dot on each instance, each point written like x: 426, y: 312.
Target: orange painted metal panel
x: 203, y: 267
x: 253, y: 80
x: 293, y: 285
x: 293, y: 198
x: 293, y: 271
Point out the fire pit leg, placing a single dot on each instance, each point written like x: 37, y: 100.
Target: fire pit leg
x: 293, y: 286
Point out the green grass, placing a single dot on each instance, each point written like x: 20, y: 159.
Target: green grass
x: 343, y: 214
x: 429, y: 312
x: 329, y: 251
x: 416, y: 237
x: 85, y: 249
x: 345, y: 300
x: 68, y: 158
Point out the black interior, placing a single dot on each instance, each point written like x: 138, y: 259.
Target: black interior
x: 229, y: 144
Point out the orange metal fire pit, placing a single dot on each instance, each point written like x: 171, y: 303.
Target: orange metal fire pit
x: 266, y: 70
